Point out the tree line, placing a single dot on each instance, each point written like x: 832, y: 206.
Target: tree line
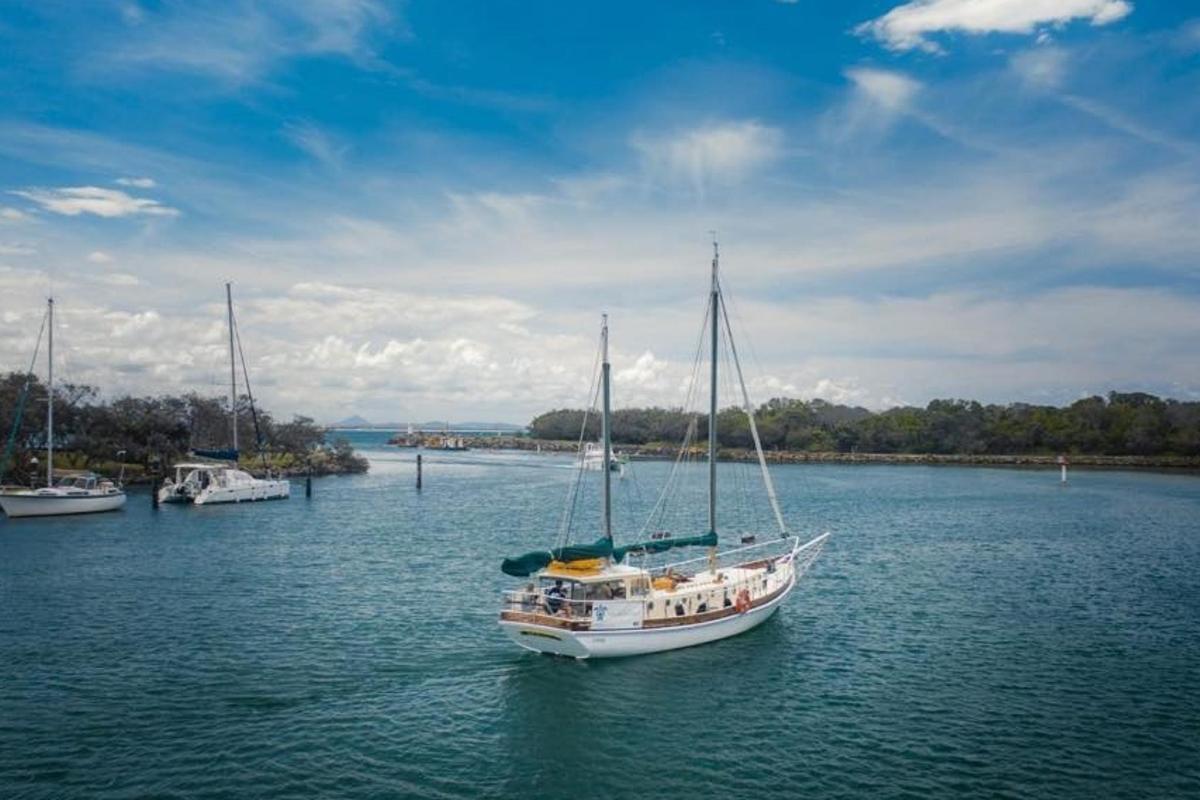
x: 1133, y: 423
x: 153, y: 432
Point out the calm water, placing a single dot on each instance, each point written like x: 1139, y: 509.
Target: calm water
x: 967, y: 633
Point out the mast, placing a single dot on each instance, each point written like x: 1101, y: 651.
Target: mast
x: 232, y: 367
x: 605, y: 433
x: 50, y: 397
x: 713, y: 313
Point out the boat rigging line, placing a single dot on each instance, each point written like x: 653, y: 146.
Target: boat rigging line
x: 22, y: 397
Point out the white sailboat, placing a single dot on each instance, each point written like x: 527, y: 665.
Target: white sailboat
x: 208, y: 483
x: 589, y: 601
x: 77, y: 493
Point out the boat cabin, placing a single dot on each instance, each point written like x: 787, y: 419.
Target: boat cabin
x: 607, y: 582
x: 84, y: 482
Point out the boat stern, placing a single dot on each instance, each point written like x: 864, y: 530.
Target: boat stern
x: 544, y: 639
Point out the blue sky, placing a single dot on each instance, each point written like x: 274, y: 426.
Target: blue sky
x: 424, y: 207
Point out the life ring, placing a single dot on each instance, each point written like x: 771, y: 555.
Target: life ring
x: 742, y: 603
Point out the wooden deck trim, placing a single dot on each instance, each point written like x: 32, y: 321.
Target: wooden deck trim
x: 577, y: 624
x: 708, y: 616
x: 546, y: 620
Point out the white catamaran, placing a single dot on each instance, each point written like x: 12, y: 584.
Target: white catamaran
x: 207, y: 483
x: 589, y: 601
x: 74, y: 493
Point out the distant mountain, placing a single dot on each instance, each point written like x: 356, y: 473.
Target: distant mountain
x: 439, y: 424
x: 351, y: 422
x: 431, y: 425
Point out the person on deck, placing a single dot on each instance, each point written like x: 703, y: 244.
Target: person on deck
x: 555, y: 596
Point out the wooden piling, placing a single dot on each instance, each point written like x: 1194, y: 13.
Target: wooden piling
x: 418, y: 471
x: 154, y: 493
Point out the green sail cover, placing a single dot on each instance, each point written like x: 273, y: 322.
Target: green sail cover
x: 662, y: 545
x: 523, y: 566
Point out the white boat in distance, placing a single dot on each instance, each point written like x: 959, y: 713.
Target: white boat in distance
x: 593, y: 459
x: 587, y: 601
x: 204, y: 483
x: 84, y: 493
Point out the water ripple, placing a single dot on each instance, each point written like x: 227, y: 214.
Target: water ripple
x: 968, y: 633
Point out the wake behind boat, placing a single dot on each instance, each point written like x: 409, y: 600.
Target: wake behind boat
x: 590, y: 601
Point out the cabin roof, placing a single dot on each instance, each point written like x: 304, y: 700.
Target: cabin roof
x: 609, y: 572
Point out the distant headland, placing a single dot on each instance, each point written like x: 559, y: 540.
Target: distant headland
x: 1123, y: 429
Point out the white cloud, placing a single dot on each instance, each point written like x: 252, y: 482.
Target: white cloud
x: 884, y: 269
x: 891, y: 90
x: 117, y: 279
x: 137, y: 183
x: 316, y: 143
x: 1041, y: 67
x: 1045, y: 69
x: 908, y: 26
x: 16, y: 249
x: 8, y: 214
x: 99, y: 257
x: 720, y: 152
x: 242, y: 43
x: 75, y: 200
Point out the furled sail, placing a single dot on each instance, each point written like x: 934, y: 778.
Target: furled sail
x: 662, y: 545
x: 525, y: 565
x: 219, y: 455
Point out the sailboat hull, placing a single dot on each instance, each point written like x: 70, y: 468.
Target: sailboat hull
x: 619, y: 643
x: 34, y: 504
x: 249, y: 492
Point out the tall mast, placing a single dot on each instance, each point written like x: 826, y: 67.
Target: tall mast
x: 50, y: 397
x: 713, y: 313
x: 605, y: 433
x: 232, y: 366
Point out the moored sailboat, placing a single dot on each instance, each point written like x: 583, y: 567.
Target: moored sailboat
x: 75, y: 493
x: 591, y: 601
x: 212, y: 482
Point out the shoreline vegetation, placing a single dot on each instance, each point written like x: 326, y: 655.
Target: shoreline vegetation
x: 664, y: 451
x: 1133, y: 429
x: 154, y: 433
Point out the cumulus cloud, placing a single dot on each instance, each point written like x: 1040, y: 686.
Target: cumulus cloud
x: 72, y: 201
x: 720, y: 152
x: 8, y: 214
x: 908, y: 26
x: 99, y: 257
